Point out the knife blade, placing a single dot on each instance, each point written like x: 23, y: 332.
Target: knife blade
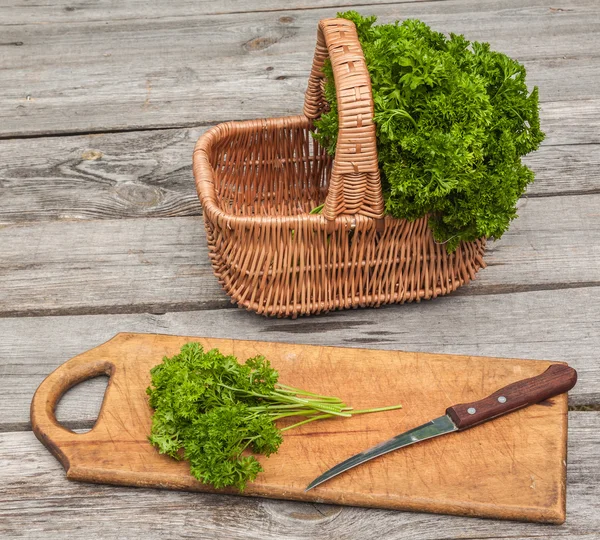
x: 558, y: 378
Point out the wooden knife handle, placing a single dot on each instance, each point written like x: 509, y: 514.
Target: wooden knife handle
x: 557, y: 379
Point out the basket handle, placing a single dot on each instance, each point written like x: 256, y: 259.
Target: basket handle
x: 355, y: 184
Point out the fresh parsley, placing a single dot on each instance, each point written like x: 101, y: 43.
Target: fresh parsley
x: 453, y: 119
x: 212, y: 411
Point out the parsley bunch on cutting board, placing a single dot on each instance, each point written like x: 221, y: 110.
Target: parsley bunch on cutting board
x: 212, y: 411
x: 453, y: 119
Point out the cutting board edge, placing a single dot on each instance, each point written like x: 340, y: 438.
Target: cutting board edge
x: 554, y: 515
x: 129, y: 335
x: 85, y: 365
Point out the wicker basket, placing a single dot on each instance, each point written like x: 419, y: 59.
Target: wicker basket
x: 258, y: 180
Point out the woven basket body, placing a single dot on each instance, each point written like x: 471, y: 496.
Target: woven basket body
x: 258, y: 180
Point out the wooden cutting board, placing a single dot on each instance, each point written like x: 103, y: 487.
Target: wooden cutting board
x: 510, y: 468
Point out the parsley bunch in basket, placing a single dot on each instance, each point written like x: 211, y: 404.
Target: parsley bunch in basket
x: 453, y: 119
x: 212, y: 411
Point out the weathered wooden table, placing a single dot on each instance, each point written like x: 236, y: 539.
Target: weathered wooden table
x: 101, y: 232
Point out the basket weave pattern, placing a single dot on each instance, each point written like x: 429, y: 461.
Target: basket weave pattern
x: 258, y: 180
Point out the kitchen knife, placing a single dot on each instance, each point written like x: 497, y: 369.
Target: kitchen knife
x: 557, y: 379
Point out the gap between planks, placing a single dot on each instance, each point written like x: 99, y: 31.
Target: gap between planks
x: 263, y: 6
x: 40, y: 500
x: 133, y: 265
x: 272, y: 56
x: 560, y: 326
x: 557, y: 110
x: 148, y: 174
x: 222, y: 303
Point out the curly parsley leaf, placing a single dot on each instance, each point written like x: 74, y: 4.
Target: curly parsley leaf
x: 213, y: 412
x: 453, y: 119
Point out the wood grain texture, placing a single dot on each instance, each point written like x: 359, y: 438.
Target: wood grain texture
x: 178, y: 79
x: 487, y: 471
x: 39, y: 499
x: 154, y: 265
x: 577, y: 123
x: 158, y: 263
x: 564, y: 170
x: 91, y: 66
x: 149, y: 174
x: 105, y: 176
x: 560, y: 325
x: 64, y: 11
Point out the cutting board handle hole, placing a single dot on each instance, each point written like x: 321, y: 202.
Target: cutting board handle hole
x: 79, y: 407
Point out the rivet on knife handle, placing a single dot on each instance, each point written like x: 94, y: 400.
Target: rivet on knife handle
x: 555, y: 380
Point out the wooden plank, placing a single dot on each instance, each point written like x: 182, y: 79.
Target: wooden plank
x: 117, y: 266
x: 159, y: 264
x: 64, y: 11
x: 112, y: 175
x: 37, y: 498
x: 148, y: 174
x: 551, y: 325
x: 567, y: 123
x: 181, y: 71
x: 565, y: 170
x: 545, y: 247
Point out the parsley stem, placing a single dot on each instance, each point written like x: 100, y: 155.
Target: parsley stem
x: 320, y: 406
x: 292, y: 399
x: 378, y: 409
x: 276, y: 406
x: 301, y: 392
x: 320, y: 417
x: 249, y: 441
x: 294, y: 413
x: 317, y: 209
x: 307, y: 395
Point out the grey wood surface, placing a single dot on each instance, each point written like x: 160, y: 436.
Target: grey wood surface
x: 64, y: 11
x: 561, y: 325
x: 101, y: 232
x: 133, y: 265
x: 39, y: 499
x: 147, y: 174
x: 125, y: 73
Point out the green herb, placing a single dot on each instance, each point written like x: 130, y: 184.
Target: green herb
x: 453, y: 119
x: 211, y: 411
x: 317, y: 209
